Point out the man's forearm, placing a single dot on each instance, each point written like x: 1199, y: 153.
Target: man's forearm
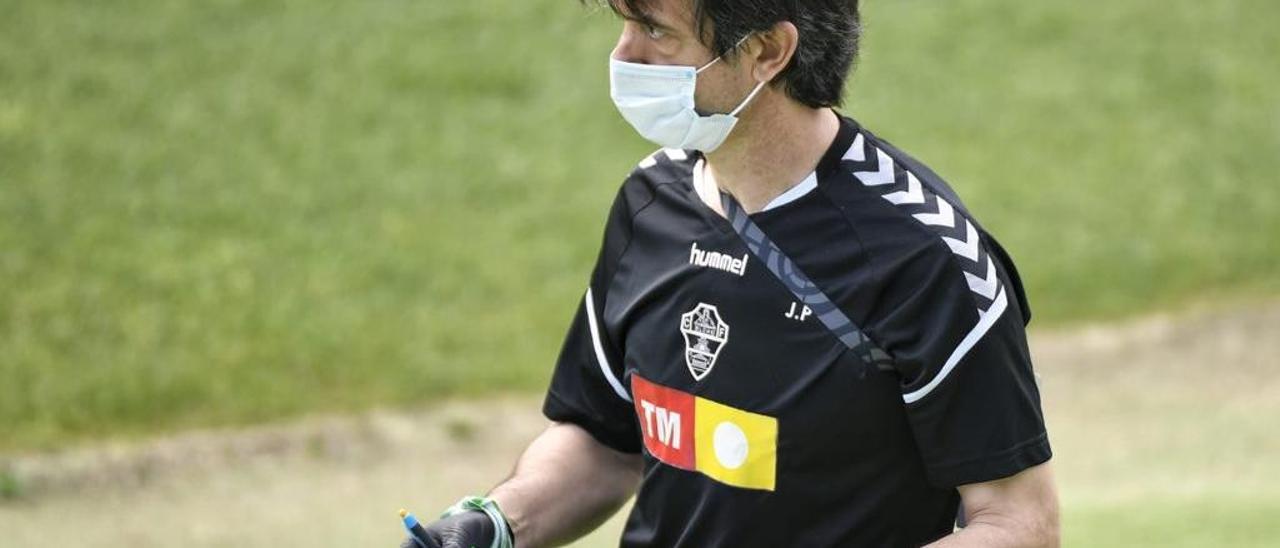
x: 982, y: 535
x: 1020, y: 511
x: 564, y: 485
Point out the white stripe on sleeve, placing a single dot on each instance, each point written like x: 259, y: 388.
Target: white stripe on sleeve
x: 601, y: 359
x: 985, y: 322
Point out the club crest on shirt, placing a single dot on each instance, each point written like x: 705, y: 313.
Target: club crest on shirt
x: 704, y: 335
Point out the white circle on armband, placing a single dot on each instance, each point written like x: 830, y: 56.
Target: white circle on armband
x: 731, y: 446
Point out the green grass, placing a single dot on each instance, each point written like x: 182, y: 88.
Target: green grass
x: 224, y: 212
x: 1122, y: 151
x: 10, y: 487
x: 1237, y: 521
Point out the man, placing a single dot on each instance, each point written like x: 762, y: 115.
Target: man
x: 794, y: 335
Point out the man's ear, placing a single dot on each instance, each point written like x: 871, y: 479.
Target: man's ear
x: 777, y: 46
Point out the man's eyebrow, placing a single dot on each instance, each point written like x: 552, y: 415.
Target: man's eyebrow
x: 643, y: 17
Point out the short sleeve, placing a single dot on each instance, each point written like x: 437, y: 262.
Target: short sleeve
x: 957, y: 335
x: 587, y: 387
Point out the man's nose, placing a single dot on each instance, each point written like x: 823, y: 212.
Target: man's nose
x: 630, y: 46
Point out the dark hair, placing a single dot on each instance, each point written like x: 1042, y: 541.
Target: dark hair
x: 830, y: 31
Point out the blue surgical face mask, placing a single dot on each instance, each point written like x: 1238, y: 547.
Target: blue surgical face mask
x: 657, y: 100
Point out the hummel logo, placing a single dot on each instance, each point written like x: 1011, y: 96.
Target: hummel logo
x: 717, y: 260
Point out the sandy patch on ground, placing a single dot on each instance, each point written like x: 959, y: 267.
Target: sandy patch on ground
x: 1163, y: 406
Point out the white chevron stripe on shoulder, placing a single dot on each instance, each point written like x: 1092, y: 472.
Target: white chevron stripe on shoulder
x: 855, y: 151
x: 912, y: 195
x: 967, y: 248
x: 946, y: 216
x: 882, y: 176
x: 942, y: 223
x: 985, y: 321
x: 943, y: 219
x: 649, y: 161
x: 984, y: 286
x: 675, y: 154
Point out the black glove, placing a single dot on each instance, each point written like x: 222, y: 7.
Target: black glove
x: 465, y: 530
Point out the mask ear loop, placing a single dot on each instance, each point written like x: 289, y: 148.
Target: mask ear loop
x: 753, y: 93
x: 747, y: 101
x: 718, y: 57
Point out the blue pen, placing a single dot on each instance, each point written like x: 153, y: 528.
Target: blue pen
x: 416, y: 532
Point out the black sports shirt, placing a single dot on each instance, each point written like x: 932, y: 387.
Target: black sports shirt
x: 759, y: 426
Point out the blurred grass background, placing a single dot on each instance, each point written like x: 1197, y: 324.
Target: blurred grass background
x: 228, y: 212
x: 225, y: 212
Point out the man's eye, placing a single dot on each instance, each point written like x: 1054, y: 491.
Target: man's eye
x: 654, y: 33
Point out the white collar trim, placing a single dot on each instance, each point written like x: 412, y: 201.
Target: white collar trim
x: 794, y: 193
